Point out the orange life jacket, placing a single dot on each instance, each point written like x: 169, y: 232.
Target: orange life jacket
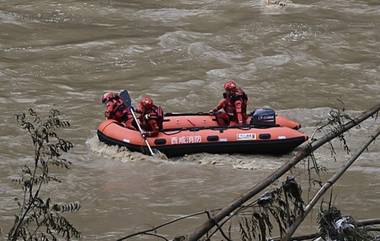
x: 155, y: 113
x: 230, y: 105
x: 115, y: 109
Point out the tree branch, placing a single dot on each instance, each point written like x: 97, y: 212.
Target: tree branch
x: 304, y: 152
x: 326, y: 186
x: 360, y: 223
x: 164, y: 224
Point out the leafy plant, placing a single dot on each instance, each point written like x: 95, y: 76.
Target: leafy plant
x: 281, y: 205
x: 38, y: 218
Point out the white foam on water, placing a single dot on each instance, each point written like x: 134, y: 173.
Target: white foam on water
x: 236, y: 161
x: 120, y: 153
x: 10, y: 18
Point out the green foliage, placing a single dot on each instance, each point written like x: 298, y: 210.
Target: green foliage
x: 38, y: 218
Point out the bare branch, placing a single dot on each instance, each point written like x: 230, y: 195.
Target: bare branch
x: 143, y: 232
x: 327, y: 185
x: 304, y: 152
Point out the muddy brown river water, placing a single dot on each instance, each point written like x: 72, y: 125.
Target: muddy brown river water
x: 298, y: 59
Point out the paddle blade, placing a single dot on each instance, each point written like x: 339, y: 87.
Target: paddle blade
x: 160, y: 155
x: 124, y: 95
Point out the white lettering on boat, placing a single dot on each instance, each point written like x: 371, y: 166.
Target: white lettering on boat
x: 246, y: 136
x: 282, y: 137
x: 186, y: 139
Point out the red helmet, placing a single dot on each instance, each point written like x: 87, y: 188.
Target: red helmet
x: 108, y: 96
x: 230, y: 85
x: 146, y: 102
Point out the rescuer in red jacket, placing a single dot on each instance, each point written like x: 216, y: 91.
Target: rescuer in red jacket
x: 151, y: 116
x: 117, y: 110
x: 234, y: 105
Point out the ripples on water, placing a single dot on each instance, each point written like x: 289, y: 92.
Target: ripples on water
x: 297, y: 59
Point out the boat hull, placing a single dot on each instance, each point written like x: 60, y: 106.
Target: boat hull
x: 191, y: 137
x: 245, y: 147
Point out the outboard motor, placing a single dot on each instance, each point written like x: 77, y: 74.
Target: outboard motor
x: 263, y: 118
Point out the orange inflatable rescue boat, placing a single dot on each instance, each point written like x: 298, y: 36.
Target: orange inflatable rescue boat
x: 199, y: 132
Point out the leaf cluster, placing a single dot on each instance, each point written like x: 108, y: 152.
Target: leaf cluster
x: 38, y: 218
x: 280, y: 206
x: 44, y: 222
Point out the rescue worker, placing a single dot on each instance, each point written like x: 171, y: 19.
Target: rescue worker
x: 151, y: 116
x: 234, y: 105
x: 117, y: 110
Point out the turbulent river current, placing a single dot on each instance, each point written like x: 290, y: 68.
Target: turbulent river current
x: 301, y: 59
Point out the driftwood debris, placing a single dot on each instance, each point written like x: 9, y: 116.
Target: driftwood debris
x: 305, y: 151
x: 359, y: 223
x: 326, y: 186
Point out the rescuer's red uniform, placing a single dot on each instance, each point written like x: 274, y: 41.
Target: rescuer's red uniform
x: 234, y: 105
x: 117, y: 110
x: 151, y: 116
